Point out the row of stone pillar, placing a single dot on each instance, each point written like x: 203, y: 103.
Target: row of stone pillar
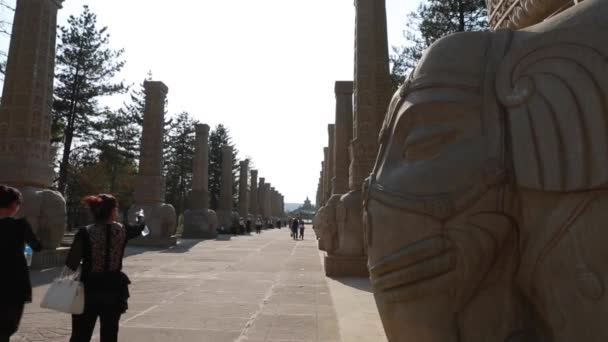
x: 353, y: 142
x: 26, y: 154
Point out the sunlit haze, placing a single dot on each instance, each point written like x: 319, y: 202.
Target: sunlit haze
x: 265, y: 69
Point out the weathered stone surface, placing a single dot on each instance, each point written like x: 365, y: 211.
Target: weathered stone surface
x: 243, y: 191
x: 225, y: 208
x: 372, y: 87
x: 253, y: 194
x: 261, y: 196
x: 200, y: 179
x: 343, y: 133
x: 485, y: 217
x: 150, y: 184
x: 26, y: 154
x: 517, y: 14
x: 200, y: 222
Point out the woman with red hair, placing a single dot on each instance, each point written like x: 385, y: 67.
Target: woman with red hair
x: 100, y: 247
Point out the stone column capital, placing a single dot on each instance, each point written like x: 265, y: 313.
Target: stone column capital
x: 344, y: 87
x: 155, y: 86
x: 202, y: 129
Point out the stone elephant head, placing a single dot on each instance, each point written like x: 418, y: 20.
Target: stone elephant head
x: 46, y: 212
x: 484, y: 211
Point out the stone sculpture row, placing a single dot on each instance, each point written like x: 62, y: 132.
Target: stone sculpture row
x: 483, y: 214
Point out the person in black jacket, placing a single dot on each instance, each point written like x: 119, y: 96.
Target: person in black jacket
x: 101, y: 248
x: 16, y: 288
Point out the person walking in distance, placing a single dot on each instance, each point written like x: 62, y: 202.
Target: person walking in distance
x: 101, y: 248
x: 301, y: 226
x: 16, y: 288
x: 294, y: 229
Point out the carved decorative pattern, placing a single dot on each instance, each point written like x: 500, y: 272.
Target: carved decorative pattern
x: 517, y: 14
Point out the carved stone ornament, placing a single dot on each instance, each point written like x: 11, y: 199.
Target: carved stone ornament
x: 485, y: 213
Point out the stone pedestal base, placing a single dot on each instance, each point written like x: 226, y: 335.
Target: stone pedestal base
x: 162, y: 222
x: 155, y: 242
x: 226, y: 220
x: 200, y: 224
x: 49, y: 258
x: 346, y: 266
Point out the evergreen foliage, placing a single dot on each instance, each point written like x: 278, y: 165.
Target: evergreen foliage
x: 85, y: 68
x: 220, y: 136
x: 179, y: 159
x: 434, y: 19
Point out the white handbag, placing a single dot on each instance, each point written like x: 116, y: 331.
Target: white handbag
x: 66, y: 294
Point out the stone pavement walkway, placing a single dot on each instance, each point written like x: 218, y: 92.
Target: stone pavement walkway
x: 249, y: 288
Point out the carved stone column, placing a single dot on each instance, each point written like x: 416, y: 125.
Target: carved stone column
x: 273, y: 203
x: 26, y: 155
x: 373, y: 90
x: 150, y: 184
x: 343, y: 133
x: 253, y: 194
x: 225, y: 209
x: 331, y: 128
x: 267, y: 195
x: 243, y: 198
x: 199, y: 220
x: 372, y: 95
x: 261, y: 196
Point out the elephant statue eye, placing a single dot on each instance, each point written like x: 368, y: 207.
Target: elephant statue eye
x: 427, y: 142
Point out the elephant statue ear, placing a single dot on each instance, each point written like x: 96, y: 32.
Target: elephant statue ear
x: 555, y: 91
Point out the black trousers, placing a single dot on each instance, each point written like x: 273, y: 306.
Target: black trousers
x: 83, y: 325
x: 10, y: 316
x: 302, y: 233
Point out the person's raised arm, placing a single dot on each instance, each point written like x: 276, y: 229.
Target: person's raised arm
x: 76, y: 252
x: 29, y: 236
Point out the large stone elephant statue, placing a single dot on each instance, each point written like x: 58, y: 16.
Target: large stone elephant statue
x: 45, y: 210
x: 160, y: 218
x: 486, y: 210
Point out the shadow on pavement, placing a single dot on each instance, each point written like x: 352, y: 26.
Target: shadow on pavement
x: 43, y: 277
x: 183, y: 246
x: 223, y: 237
x: 362, y: 284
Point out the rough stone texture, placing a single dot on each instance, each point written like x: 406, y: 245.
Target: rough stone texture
x: 326, y: 177
x: 200, y: 222
x: 261, y: 196
x: 200, y: 179
x: 26, y: 154
x: 500, y: 181
x: 343, y: 133
x: 372, y: 87
x: 150, y: 184
x: 225, y: 208
x: 253, y: 194
x: 243, y: 197
x: 517, y: 14
x: 267, y: 195
x: 331, y: 129
x: 263, y: 288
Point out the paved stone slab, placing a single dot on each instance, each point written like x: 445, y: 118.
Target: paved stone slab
x: 249, y: 288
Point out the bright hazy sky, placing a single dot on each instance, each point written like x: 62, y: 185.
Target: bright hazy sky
x: 264, y: 68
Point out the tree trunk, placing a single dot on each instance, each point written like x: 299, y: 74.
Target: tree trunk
x: 65, y: 161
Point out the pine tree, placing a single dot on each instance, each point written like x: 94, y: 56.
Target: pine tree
x: 434, y: 19
x: 84, y: 72
x: 179, y: 159
x: 219, y: 137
